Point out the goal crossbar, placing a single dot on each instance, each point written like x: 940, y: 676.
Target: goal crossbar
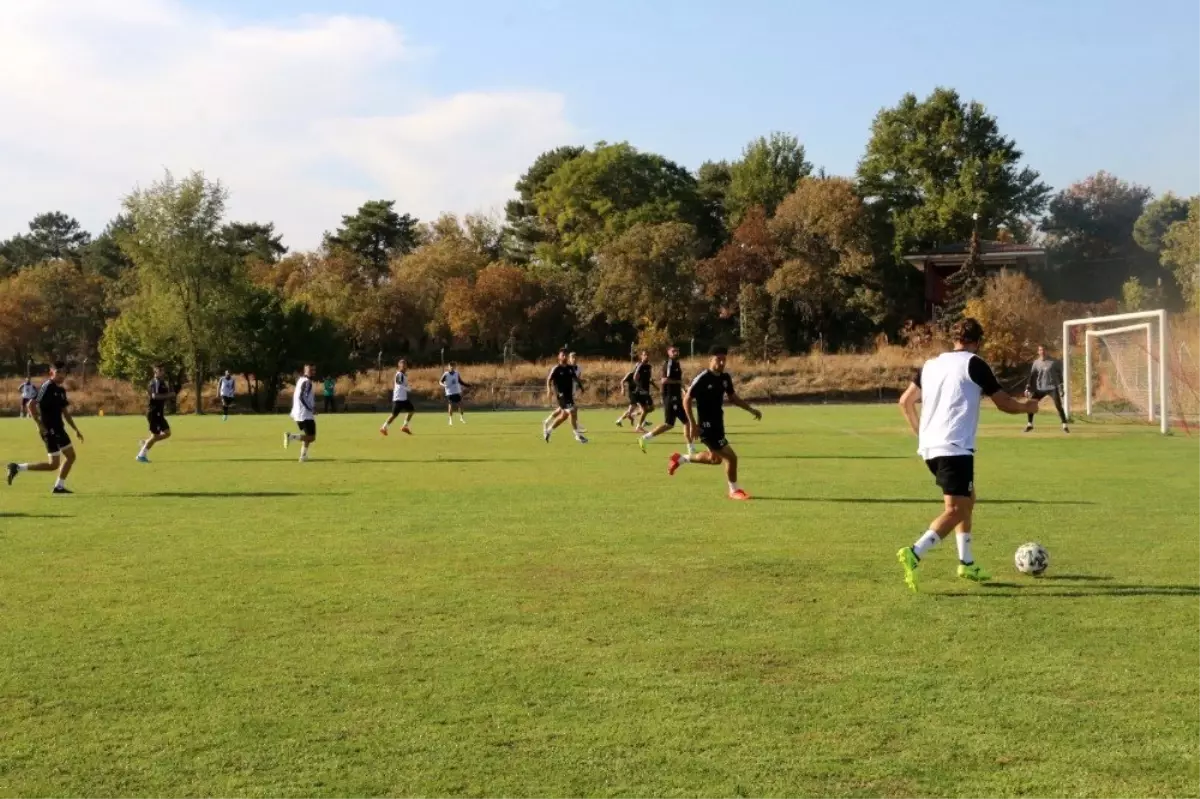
x: 1160, y: 316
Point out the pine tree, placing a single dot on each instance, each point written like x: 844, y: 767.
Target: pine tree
x: 964, y: 285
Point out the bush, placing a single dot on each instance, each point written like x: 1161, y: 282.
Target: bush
x: 1015, y: 318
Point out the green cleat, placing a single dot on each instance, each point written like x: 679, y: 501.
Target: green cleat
x: 642, y: 444
x: 972, y: 572
x: 908, y: 559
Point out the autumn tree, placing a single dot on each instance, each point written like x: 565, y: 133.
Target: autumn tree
x: 748, y: 259
x: 930, y: 164
x: 646, y: 277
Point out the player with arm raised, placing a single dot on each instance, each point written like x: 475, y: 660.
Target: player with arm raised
x: 49, y: 411
x: 672, y: 398
x: 561, y: 382
x: 950, y: 389
x: 453, y: 385
x: 400, y: 400
x: 227, y: 389
x: 156, y: 415
x: 1046, y: 380
x: 304, y: 413
x: 708, y: 392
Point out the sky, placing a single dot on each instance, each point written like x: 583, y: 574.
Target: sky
x: 307, y: 108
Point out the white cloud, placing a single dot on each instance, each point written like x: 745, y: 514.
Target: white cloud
x: 302, y: 120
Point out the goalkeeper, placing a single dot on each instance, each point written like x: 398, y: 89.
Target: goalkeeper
x: 1046, y: 380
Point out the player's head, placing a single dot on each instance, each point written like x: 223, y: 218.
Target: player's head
x: 672, y: 352
x: 158, y: 370
x: 308, y: 370
x: 1041, y: 351
x: 716, y: 361
x: 967, y: 334
x: 453, y: 366
x: 572, y: 358
x: 562, y: 356
x: 643, y: 356
x: 227, y: 373
x: 58, y: 372
x: 401, y: 364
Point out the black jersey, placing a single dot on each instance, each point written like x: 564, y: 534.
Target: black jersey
x: 52, y: 401
x: 672, y: 378
x: 564, y: 378
x: 709, y: 390
x: 157, y: 386
x: 642, y: 375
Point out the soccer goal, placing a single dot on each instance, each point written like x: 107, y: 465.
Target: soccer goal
x: 1124, y: 365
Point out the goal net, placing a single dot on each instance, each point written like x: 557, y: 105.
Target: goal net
x: 1116, y: 367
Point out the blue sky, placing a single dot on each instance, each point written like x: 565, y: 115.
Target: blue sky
x: 1106, y: 85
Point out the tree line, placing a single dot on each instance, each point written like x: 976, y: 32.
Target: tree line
x: 605, y: 247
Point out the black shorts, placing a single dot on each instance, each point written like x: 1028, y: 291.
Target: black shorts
x: 673, y: 410
x: 954, y: 474
x: 643, y: 399
x: 26, y: 400
x: 402, y: 406
x: 56, y: 440
x: 226, y: 402
x: 454, y: 399
x: 566, y: 402
x: 308, y: 427
x: 158, y: 423
x: 713, y: 436
x: 1038, y: 394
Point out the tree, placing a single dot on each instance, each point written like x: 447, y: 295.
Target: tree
x: 426, y: 272
x: 712, y: 184
x: 376, y: 234
x: 933, y: 163
x: 595, y: 197
x: 526, y: 229
x: 104, y: 255
x: 185, y: 277
x: 253, y: 239
x: 51, y: 236
x: 1090, y: 239
x: 748, y: 259
x: 1015, y: 318
x: 766, y: 173
x: 828, y: 274
x: 646, y: 277
x: 1181, y: 253
x: 1152, y: 226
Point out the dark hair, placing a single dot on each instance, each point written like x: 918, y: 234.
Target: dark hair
x: 967, y: 331
x: 563, y: 351
x: 58, y: 366
x: 719, y: 351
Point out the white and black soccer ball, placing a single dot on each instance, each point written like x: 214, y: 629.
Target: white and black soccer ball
x: 1032, y: 558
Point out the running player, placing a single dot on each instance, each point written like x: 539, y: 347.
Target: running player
x: 708, y: 391
x: 643, y: 375
x: 49, y: 411
x: 400, y: 401
x: 1046, y: 380
x: 304, y: 413
x: 562, y: 381
x: 156, y: 416
x: 573, y: 362
x: 672, y: 398
x: 950, y: 388
x: 227, y: 389
x: 453, y: 384
x: 628, y: 389
x: 29, y: 393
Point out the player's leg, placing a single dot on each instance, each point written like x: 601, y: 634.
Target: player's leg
x: 408, y: 417
x: 68, y: 461
x: 391, y: 418
x: 1058, y: 406
x: 955, y: 475
x: 309, y: 429
x: 574, y: 414
x: 50, y: 465
x: 1036, y: 396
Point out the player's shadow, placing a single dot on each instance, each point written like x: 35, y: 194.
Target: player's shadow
x: 1046, y: 588
x: 918, y: 501
x: 831, y: 457
x: 230, y: 494
x: 35, y: 516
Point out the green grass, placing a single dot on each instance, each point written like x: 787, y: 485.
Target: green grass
x: 472, y: 612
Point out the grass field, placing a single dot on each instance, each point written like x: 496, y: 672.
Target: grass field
x: 472, y: 612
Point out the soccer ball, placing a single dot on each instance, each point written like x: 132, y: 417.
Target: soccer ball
x: 1032, y: 558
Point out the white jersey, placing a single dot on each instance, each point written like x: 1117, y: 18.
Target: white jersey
x: 451, y: 382
x: 952, y: 387
x: 303, y: 408
x: 28, y: 391
x: 226, y: 386
x: 400, y: 389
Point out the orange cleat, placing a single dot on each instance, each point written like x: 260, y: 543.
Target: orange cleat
x: 405, y: 430
x: 383, y: 431
x: 673, y: 463
x: 739, y: 494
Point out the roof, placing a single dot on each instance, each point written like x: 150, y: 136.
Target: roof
x: 989, y: 252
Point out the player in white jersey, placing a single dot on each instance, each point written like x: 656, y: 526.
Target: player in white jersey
x: 29, y: 393
x: 304, y: 413
x: 453, y: 385
x: 226, y: 388
x: 400, y: 401
x: 950, y: 389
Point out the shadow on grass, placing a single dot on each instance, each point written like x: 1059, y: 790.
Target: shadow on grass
x: 919, y: 501
x: 1039, y: 589
x: 35, y: 516
x: 831, y: 458
x: 230, y: 494
x: 317, y: 460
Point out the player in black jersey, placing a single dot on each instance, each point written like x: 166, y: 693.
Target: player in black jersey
x: 156, y: 414
x: 628, y: 389
x: 643, y: 375
x: 49, y: 411
x: 672, y: 399
x: 561, y: 381
x: 708, y: 391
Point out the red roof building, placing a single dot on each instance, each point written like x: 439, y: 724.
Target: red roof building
x: 941, y: 262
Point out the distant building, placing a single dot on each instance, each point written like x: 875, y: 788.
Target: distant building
x: 942, y: 262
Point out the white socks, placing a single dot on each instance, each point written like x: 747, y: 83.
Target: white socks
x: 649, y: 436
x: 295, y: 436
x: 685, y: 459
x: 964, y: 548
x: 926, y: 543
x: 733, y: 487
x: 691, y: 448
x: 22, y: 467
x: 60, y: 483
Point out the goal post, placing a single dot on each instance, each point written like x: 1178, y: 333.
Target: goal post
x: 1156, y: 388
